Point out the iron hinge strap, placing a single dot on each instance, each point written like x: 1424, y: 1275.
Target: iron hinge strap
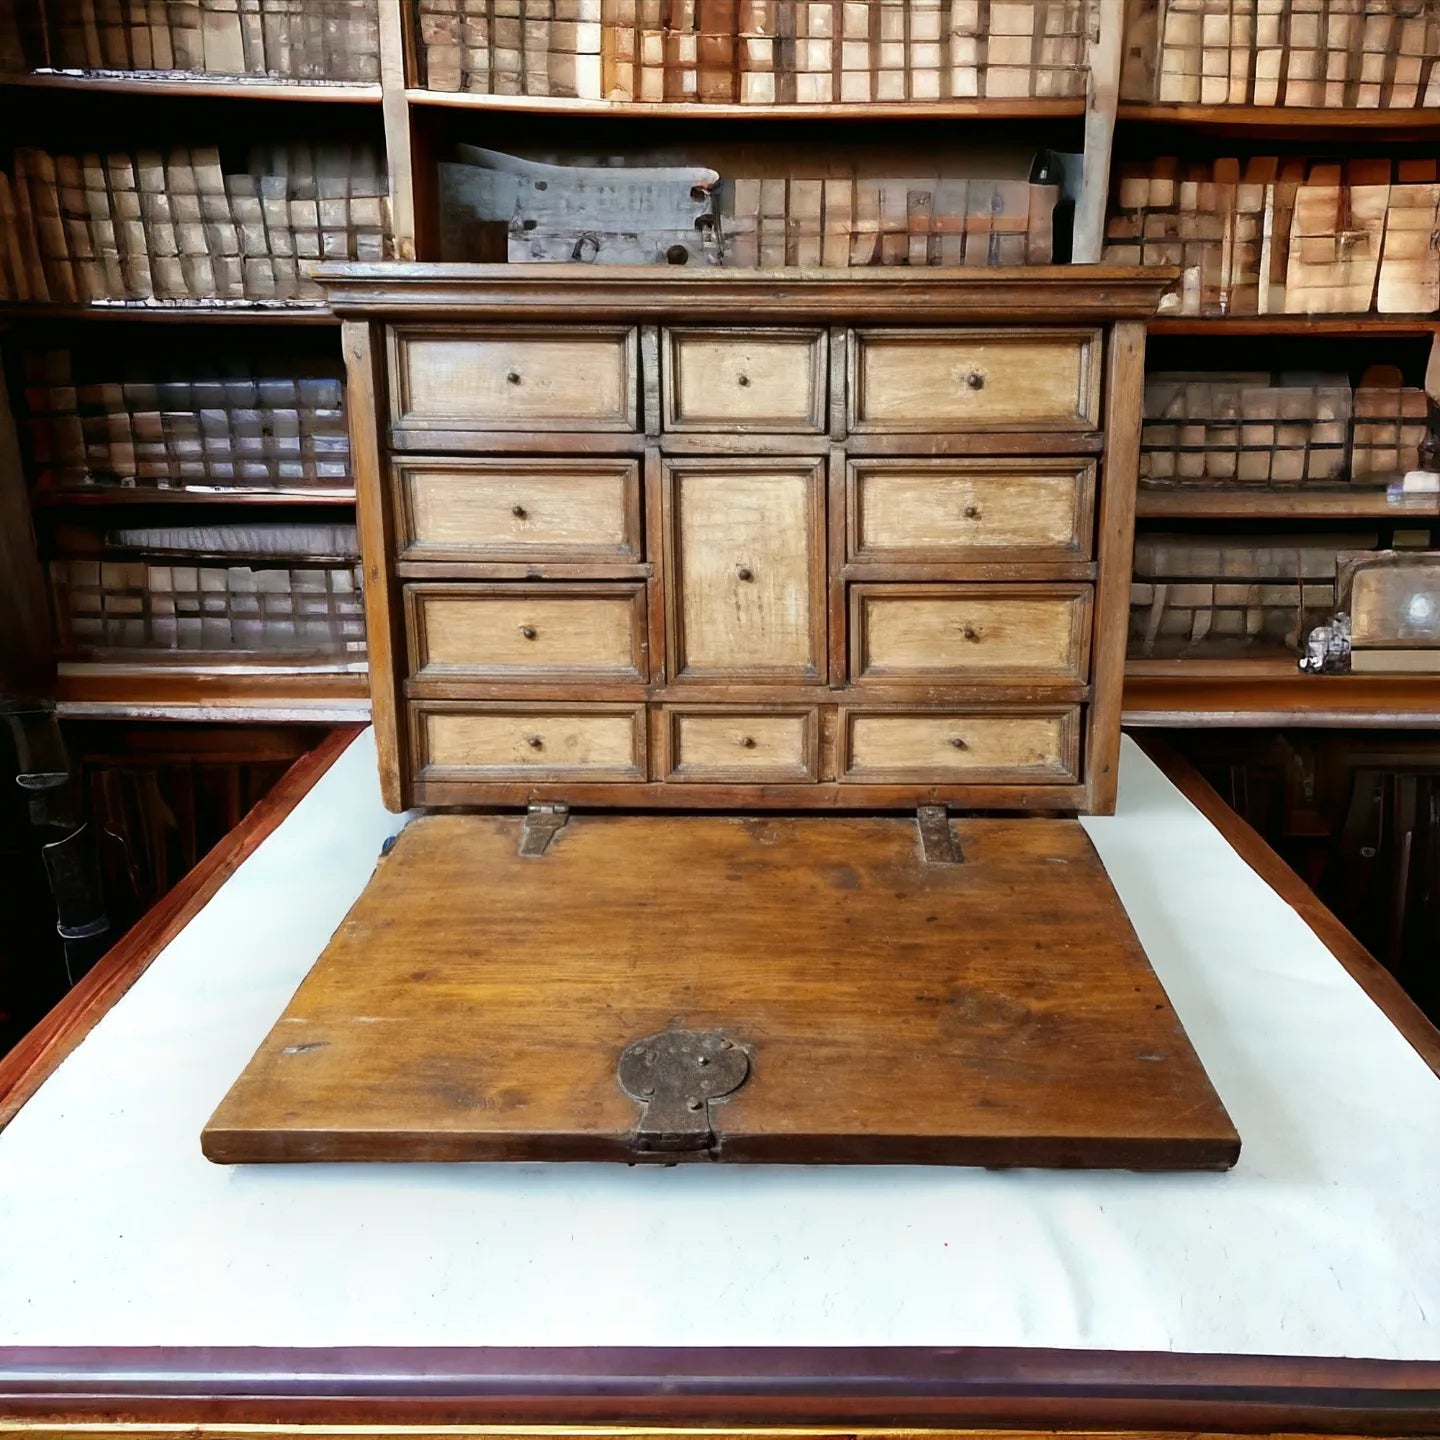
x: 542, y: 822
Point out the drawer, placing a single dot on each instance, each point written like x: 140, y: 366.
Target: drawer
x: 555, y: 378
x: 745, y: 551
x: 1005, y: 380
x: 526, y: 632
x: 1030, y: 745
x: 970, y: 632
x: 530, y: 742
x: 525, y: 511
x: 766, y: 380
x: 932, y: 511
x: 712, y: 743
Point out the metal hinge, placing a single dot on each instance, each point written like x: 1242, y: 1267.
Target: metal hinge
x: 541, y: 824
x: 937, y: 840
x: 675, y: 1075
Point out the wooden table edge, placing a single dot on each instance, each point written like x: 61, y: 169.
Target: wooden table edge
x: 1367, y: 972
x: 39, y: 1054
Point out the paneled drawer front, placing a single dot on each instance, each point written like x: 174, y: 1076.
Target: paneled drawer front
x: 931, y: 380
x: 745, y: 549
x: 706, y: 743
x: 518, y: 510
x: 514, y: 379
x: 526, y: 632
x: 765, y: 380
x: 933, y: 511
x: 1028, y: 745
x: 532, y: 742
x: 1024, y: 632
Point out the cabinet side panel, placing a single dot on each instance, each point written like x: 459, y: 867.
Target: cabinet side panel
x: 1124, y: 384
x: 376, y: 521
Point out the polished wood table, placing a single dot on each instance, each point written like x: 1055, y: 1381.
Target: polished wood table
x: 144, y: 1292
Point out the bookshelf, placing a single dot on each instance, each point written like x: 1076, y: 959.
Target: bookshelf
x: 1087, y: 85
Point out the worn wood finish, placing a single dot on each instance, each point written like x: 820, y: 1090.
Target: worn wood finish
x: 769, y: 382
x: 949, y: 511
x: 714, y: 743
x: 518, y: 509
x: 870, y: 1041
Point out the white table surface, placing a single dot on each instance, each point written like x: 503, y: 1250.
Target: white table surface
x: 115, y: 1231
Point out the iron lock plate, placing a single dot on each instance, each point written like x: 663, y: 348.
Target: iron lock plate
x: 675, y: 1074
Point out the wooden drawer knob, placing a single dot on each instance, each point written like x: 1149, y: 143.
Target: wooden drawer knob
x: 534, y: 742
x: 513, y: 377
x: 972, y: 512
x: 970, y: 633
x: 975, y: 380
x: 958, y: 743
x: 519, y: 512
x: 744, y: 572
x: 743, y: 381
x: 529, y: 631
x: 747, y: 742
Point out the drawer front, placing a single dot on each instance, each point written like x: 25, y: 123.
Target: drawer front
x: 715, y: 744
x: 518, y: 510
x: 932, y: 380
x: 970, y: 632
x: 530, y: 742
x: 1021, y: 746
x: 514, y: 379
x: 526, y: 632
x: 765, y: 380
x: 746, y: 553
x: 931, y: 511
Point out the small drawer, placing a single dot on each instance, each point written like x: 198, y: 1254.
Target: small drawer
x: 923, y: 512
x: 1024, y: 745
x: 711, y: 743
x: 528, y: 742
x: 999, y: 380
x: 526, y: 632
x: 747, y: 380
x: 525, y: 511
x: 970, y: 632
x: 554, y: 378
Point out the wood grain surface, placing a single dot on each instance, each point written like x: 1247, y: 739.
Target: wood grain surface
x: 996, y: 1012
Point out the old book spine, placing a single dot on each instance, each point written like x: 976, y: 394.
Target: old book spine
x: 129, y: 227
x: 89, y: 276
x: 36, y: 191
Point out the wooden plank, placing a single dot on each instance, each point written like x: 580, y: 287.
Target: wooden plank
x: 1106, y: 54
x: 399, y: 141
x: 40, y: 1053
x: 1014, y: 1062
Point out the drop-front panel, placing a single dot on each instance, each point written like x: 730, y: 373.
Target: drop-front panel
x: 633, y: 538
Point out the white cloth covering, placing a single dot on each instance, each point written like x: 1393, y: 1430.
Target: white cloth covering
x: 114, y: 1229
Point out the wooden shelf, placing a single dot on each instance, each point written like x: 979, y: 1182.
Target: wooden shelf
x: 1183, y: 699
x: 978, y: 109
x: 1371, y: 326
x: 1284, y: 119
x: 1187, y: 503
x: 136, y: 495
x: 211, y: 311
x: 207, y: 86
x: 328, y: 697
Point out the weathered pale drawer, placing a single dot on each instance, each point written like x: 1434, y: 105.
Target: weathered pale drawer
x: 461, y: 631
x: 556, y: 378
x: 933, y: 511
x: 540, y: 511
x: 1022, y: 745
x: 502, y: 741
x: 711, y: 743
x: 970, y: 632
x: 1001, y: 380
x: 746, y: 380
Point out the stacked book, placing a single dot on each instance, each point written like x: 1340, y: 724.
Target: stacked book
x: 215, y: 431
x: 1284, y: 235
x: 839, y: 222
x: 176, y: 226
x: 1222, y: 596
x: 1264, y: 430
x: 257, y: 594
x: 314, y: 41
x: 756, y: 52
x: 1360, y: 54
